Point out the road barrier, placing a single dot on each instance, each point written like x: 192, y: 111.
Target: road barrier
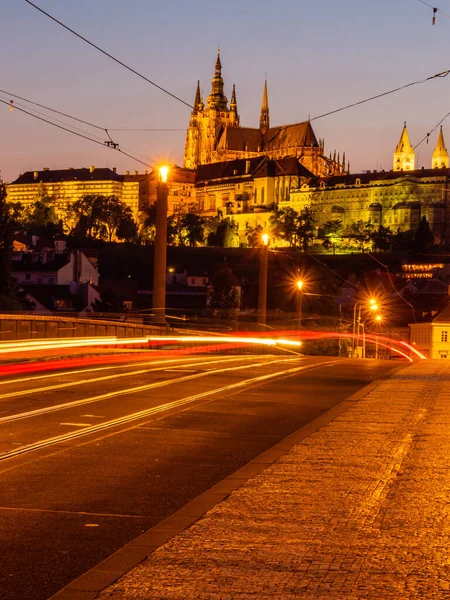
x: 25, y: 327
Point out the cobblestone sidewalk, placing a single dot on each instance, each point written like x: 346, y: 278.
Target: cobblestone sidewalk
x: 359, y: 509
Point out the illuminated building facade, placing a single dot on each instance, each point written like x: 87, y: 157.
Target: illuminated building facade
x: 215, y: 134
x: 66, y: 186
x: 433, y: 338
x: 397, y: 199
x: 180, y: 188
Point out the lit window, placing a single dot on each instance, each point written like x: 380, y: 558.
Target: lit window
x: 444, y: 336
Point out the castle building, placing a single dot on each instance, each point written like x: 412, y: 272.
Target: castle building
x: 404, y: 155
x: 397, y: 199
x: 440, y: 155
x: 215, y: 134
x: 66, y: 186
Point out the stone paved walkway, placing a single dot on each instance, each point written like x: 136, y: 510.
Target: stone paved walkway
x: 359, y: 509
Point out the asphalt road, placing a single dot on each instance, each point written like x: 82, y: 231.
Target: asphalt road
x: 92, y: 457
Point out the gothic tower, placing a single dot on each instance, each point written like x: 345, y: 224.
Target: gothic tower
x: 264, y: 121
x: 206, y: 122
x: 440, y: 154
x: 404, y: 156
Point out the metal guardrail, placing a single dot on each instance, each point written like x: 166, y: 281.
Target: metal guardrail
x: 22, y: 327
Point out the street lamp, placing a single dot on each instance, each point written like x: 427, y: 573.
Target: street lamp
x: 299, y: 284
x: 378, y: 319
x: 262, y: 283
x: 357, y: 323
x: 160, y: 258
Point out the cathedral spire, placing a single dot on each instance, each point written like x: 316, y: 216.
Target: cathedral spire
x: 404, y: 156
x: 264, y: 120
x: 440, y: 154
x: 198, y: 104
x: 217, y: 99
x: 233, y: 103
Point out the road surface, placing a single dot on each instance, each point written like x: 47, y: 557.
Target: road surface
x: 92, y: 457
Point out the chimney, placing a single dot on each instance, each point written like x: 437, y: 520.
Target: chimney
x: 114, y: 169
x: 127, y: 172
x: 46, y: 169
x: 91, y: 168
x: 35, y: 174
x: 247, y: 166
x: 136, y: 172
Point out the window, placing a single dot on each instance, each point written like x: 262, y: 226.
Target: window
x: 444, y: 336
x: 262, y: 195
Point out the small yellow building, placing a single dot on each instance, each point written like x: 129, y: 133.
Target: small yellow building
x: 432, y: 339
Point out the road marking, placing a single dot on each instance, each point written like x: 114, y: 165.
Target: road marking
x: 126, y: 391
x: 76, y: 424
x: 180, y: 370
x: 59, y: 386
x: 158, y: 409
x: 109, y: 368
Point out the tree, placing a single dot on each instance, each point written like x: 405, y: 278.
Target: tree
x: 225, y: 295
x: 382, y: 238
x: 297, y: 228
x: 424, y: 237
x: 332, y: 232
x: 101, y: 217
x: 11, y: 296
x: 253, y: 235
x: 226, y: 235
x: 360, y: 234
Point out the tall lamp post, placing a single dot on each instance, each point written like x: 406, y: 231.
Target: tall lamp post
x: 262, y: 283
x: 357, y: 324
x: 160, y: 259
x: 300, y: 303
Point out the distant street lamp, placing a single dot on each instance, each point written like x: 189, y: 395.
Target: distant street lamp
x: 379, y: 320
x: 300, y: 303
x: 262, y: 283
x: 357, y: 323
x: 160, y: 258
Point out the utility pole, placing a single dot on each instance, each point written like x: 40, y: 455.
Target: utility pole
x: 262, y: 283
x: 160, y: 258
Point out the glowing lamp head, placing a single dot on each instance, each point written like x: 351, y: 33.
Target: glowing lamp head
x: 163, y: 173
x: 378, y: 318
x: 265, y: 239
x: 299, y: 284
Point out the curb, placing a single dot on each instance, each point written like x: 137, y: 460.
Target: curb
x: 89, y: 585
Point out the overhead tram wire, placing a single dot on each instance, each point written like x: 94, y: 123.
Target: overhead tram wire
x: 37, y: 112
x: 52, y: 110
x: 434, y: 9
x: 86, y: 137
x: 84, y: 39
x: 104, y: 129
x: 175, y: 97
x: 371, y: 98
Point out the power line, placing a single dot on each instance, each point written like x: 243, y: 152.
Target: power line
x: 434, y: 9
x: 52, y: 110
x: 121, y: 63
x: 37, y: 112
x: 403, y: 87
x: 109, y: 55
x: 10, y: 94
x: 86, y: 137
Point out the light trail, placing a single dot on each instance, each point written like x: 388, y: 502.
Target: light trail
x: 97, y: 379
x: 75, y: 371
x: 158, y: 409
x: 132, y: 390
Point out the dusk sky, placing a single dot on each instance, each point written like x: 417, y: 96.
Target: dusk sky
x: 318, y: 56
